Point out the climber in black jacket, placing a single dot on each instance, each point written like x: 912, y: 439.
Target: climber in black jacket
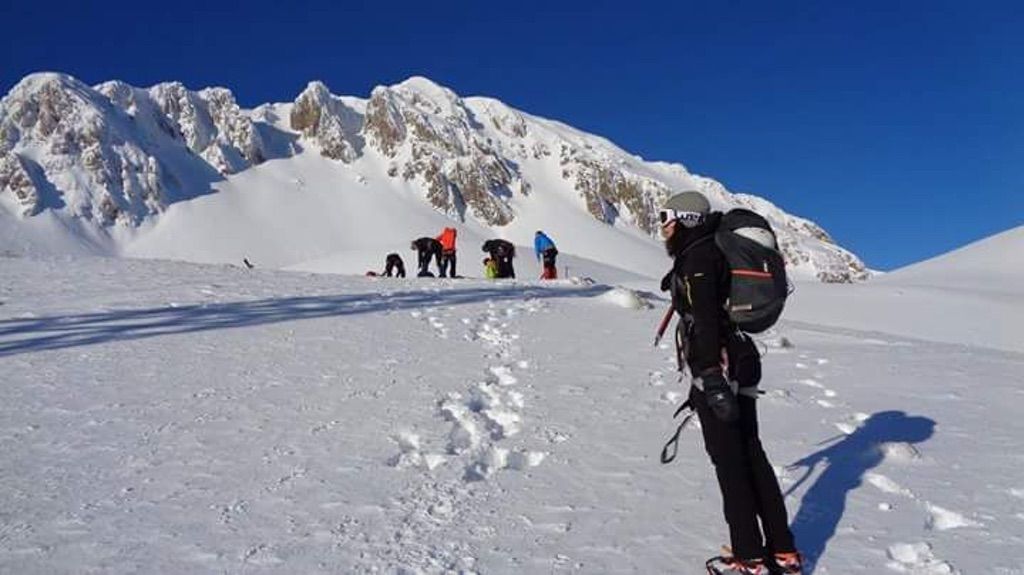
x: 724, y: 399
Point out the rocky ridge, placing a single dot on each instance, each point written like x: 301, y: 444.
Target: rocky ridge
x: 118, y: 154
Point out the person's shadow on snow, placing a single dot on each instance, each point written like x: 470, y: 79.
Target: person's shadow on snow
x: 845, y: 463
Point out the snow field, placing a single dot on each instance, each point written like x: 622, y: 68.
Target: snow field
x: 170, y: 417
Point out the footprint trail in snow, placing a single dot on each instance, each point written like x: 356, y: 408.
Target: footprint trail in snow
x: 450, y: 473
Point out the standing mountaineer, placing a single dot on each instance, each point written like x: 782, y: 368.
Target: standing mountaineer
x: 427, y: 248
x: 502, y: 252
x: 546, y: 250
x: 708, y: 341
x: 447, y: 240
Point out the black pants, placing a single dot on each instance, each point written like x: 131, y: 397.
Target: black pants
x: 750, y: 491
x: 504, y: 264
x: 549, y: 256
x: 392, y: 266
x: 550, y: 270
x: 505, y: 268
x: 446, y: 264
x: 424, y: 260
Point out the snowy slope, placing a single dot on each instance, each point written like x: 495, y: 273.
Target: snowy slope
x: 972, y: 296
x: 988, y: 265
x: 168, y: 417
x: 333, y: 183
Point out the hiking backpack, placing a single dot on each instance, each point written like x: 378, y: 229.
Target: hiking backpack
x: 447, y: 239
x: 758, y: 273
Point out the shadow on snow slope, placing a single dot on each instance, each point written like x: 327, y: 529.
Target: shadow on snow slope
x: 845, y: 464
x: 58, y: 332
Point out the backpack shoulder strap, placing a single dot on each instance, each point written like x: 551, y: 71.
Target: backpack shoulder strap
x: 695, y: 244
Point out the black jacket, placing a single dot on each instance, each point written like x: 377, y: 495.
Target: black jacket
x: 499, y: 248
x: 699, y: 283
x: 428, y: 245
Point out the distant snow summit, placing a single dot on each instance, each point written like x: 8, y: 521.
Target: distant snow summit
x: 112, y: 159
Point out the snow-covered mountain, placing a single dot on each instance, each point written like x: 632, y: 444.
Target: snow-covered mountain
x: 145, y: 172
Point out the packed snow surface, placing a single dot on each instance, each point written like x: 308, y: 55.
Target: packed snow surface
x: 168, y: 417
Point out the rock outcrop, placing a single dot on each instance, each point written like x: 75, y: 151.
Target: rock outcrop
x: 119, y: 154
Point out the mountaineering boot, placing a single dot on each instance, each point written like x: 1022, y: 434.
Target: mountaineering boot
x: 791, y: 563
x: 723, y: 565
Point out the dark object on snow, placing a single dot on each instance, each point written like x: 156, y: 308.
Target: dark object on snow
x: 425, y: 274
x: 247, y: 263
x: 393, y: 263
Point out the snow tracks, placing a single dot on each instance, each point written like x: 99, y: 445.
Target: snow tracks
x: 451, y: 462
x: 880, y: 450
x: 486, y: 415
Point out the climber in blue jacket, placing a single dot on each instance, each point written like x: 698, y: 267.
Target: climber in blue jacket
x: 545, y: 248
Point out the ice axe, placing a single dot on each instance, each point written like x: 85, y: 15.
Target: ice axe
x: 663, y: 325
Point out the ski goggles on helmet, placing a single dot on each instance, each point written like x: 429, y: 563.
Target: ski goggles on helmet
x: 687, y: 219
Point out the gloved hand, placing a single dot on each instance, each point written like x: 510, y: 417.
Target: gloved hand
x: 666, y: 281
x: 720, y: 396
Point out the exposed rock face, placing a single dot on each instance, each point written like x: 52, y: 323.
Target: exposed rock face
x: 119, y: 154
x: 102, y: 153
x: 65, y: 144
x: 234, y: 129
x: 14, y: 179
x: 209, y: 122
x: 436, y: 141
x: 609, y: 192
x: 326, y: 121
x: 385, y: 125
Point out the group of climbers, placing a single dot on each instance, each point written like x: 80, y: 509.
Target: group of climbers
x: 497, y: 265
x: 713, y: 254
x: 441, y: 249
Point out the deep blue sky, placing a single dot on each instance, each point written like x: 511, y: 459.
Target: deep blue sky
x: 898, y: 126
